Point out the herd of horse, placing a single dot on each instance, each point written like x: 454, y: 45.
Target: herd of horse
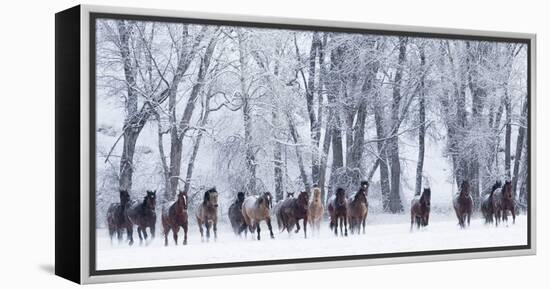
x: 247, y: 212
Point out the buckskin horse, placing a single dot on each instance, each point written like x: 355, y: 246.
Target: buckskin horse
x: 207, y: 214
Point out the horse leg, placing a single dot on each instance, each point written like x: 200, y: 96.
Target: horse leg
x: 140, y: 235
x: 175, y: 231
x: 166, y: 231
x: 184, y: 233
x: 152, y: 228
x: 207, y: 225
x: 268, y: 221
x: 258, y: 230
x: 297, y: 226
x: 412, y: 222
x: 469, y: 216
x: 305, y: 227
x: 364, y: 223
x: 215, y: 228
x: 130, y: 233
x: 200, y: 229
x: 144, y: 230
x: 513, y: 211
x: 345, y: 226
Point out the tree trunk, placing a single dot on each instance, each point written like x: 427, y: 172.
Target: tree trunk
x: 383, y: 158
x: 315, y: 126
x: 296, y: 139
x: 178, y: 131
x: 508, y: 136
x: 519, y: 145
x: 395, y: 165
x: 250, y: 156
x: 422, y: 121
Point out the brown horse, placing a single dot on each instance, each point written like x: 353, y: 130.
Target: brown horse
x: 143, y: 215
x: 503, y: 201
x: 175, y: 217
x: 117, y: 218
x: 316, y: 210
x: 207, y: 214
x: 463, y: 204
x: 487, y: 203
x: 338, y: 211
x: 359, y: 208
x: 420, y: 209
x: 291, y: 211
x: 256, y: 209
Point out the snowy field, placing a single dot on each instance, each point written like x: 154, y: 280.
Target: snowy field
x: 384, y: 234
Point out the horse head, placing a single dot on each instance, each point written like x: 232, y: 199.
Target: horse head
x: 317, y: 194
x: 240, y: 197
x: 182, y: 200
x: 365, y: 187
x: 507, y: 190
x: 340, y: 197
x: 303, y: 199
x: 266, y: 199
x: 211, y: 198
x: 150, y: 200
x: 426, y: 196
x: 289, y: 195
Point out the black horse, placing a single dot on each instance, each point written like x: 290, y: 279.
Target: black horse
x: 117, y: 219
x: 143, y: 215
x: 235, y: 214
x: 487, y: 203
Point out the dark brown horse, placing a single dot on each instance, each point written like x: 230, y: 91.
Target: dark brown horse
x: 175, y: 217
x: 256, y: 209
x: 143, y: 215
x: 487, y: 203
x: 117, y: 219
x: 338, y: 211
x: 463, y: 204
x: 291, y: 211
x: 420, y: 209
x: 503, y: 201
x: 235, y: 214
x: 359, y: 209
x: 207, y: 214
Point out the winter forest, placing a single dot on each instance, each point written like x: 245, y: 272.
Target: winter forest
x: 190, y: 107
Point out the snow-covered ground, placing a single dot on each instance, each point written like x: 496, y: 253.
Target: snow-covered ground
x: 384, y: 234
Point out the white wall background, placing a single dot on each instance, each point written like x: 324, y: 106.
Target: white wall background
x: 27, y: 140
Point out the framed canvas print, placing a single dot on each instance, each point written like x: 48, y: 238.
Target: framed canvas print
x: 192, y: 144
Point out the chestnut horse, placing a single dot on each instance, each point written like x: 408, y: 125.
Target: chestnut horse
x: 359, y: 208
x: 503, y: 201
x: 256, y: 209
x: 117, y: 219
x: 291, y: 211
x: 315, y: 210
x: 175, y: 217
x: 463, y: 204
x: 235, y: 214
x: 143, y: 215
x: 207, y: 214
x: 338, y: 211
x: 420, y: 209
x: 487, y: 203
